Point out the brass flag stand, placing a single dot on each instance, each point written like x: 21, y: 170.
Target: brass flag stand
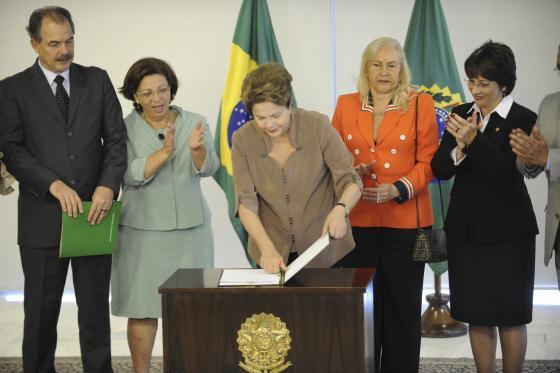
x: 436, y: 320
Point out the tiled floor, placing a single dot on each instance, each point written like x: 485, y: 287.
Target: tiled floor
x: 544, y: 335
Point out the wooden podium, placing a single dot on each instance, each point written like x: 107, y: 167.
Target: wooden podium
x: 328, y: 313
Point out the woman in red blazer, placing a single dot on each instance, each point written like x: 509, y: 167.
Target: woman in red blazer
x: 378, y: 125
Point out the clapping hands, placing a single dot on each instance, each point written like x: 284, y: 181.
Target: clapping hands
x: 196, y: 139
x: 463, y: 130
x: 531, y: 150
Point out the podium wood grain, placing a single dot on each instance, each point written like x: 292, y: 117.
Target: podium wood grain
x: 329, y: 313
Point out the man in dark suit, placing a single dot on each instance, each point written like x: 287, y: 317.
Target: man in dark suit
x: 64, y: 140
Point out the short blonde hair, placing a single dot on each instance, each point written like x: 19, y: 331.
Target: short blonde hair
x: 401, y: 93
x: 270, y: 82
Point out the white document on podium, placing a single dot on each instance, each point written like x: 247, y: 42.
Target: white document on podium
x: 248, y: 277
x: 251, y: 277
x: 307, y: 256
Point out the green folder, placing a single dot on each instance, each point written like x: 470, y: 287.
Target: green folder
x: 80, y: 238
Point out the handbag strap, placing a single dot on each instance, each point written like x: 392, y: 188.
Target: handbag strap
x: 415, y: 159
x: 415, y: 162
x: 441, y: 199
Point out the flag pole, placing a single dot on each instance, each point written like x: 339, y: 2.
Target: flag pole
x: 253, y: 24
x: 430, y: 56
x: 436, y: 320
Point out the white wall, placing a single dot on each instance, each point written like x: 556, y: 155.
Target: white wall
x: 195, y: 37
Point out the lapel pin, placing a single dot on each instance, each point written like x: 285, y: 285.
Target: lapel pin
x: 497, y: 129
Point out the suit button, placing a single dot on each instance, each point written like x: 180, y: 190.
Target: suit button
x: 73, y: 182
x: 349, y: 137
x: 393, y: 151
x: 372, y: 150
x: 387, y: 165
x: 357, y: 151
x: 402, y: 137
x: 69, y: 133
x: 373, y: 176
x: 73, y: 156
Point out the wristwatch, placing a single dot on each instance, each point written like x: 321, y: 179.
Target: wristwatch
x: 346, y: 209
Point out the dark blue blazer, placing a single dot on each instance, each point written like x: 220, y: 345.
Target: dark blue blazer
x: 489, y: 200
x: 40, y: 147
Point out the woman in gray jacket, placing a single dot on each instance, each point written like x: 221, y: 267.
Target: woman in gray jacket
x: 165, y: 222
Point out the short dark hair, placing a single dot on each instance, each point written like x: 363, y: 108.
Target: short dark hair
x: 495, y: 62
x: 270, y: 82
x: 142, y: 68
x: 56, y: 13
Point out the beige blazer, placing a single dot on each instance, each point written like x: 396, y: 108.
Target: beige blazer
x: 549, y: 124
x: 293, y: 202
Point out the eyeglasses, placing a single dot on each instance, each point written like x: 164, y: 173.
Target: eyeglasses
x: 482, y: 84
x: 148, y: 94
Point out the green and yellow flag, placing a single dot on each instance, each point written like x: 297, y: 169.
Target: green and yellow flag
x: 253, y: 44
x: 434, y: 70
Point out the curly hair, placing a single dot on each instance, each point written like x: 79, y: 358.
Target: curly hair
x: 270, y: 82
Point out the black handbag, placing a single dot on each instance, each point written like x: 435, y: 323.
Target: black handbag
x: 430, y: 245
x: 422, y: 251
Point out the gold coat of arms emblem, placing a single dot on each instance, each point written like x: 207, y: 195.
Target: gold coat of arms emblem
x: 264, y: 341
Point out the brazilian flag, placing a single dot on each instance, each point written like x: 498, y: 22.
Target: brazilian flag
x: 434, y: 70
x: 253, y: 44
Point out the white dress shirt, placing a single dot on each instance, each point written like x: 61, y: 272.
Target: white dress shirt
x: 51, y: 76
x: 502, y: 109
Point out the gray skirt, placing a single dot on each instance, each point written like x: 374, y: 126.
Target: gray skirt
x: 144, y: 259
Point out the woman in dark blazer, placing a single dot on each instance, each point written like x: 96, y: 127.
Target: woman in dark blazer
x: 490, y: 224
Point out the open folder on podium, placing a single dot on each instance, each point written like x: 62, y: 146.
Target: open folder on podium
x: 80, y: 238
x: 248, y: 277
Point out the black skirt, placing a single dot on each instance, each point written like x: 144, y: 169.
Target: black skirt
x: 492, y: 285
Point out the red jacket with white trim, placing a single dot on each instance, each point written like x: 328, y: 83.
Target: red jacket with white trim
x: 393, y: 152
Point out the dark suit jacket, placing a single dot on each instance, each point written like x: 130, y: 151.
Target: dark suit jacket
x: 489, y: 200
x: 40, y: 147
